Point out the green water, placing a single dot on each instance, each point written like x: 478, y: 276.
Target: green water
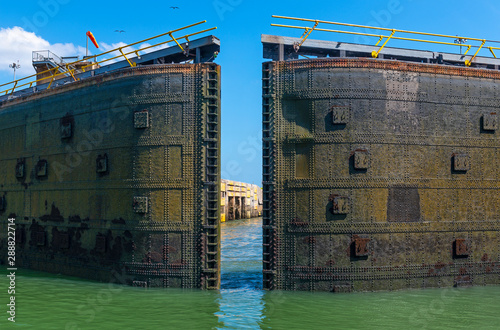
x: 46, y: 301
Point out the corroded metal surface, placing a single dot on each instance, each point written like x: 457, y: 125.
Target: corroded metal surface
x: 380, y: 175
x: 117, y: 174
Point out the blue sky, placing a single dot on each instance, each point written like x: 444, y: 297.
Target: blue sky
x: 240, y: 24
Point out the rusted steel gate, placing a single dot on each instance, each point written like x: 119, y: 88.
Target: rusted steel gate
x: 378, y: 174
x: 117, y: 176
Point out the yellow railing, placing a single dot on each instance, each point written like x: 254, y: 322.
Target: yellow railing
x: 54, y: 72
x: 381, y: 37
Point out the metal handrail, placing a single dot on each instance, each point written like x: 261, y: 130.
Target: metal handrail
x: 56, y: 61
x: 375, y: 53
x: 40, y: 57
x: 70, y: 67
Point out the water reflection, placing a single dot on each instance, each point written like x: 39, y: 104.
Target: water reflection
x: 240, y: 303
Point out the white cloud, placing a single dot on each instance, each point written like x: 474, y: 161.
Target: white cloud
x: 152, y: 49
x: 18, y: 45
x: 107, y: 47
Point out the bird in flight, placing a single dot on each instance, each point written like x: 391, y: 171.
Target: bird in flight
x: 120, y: 31
x: 173, y: 7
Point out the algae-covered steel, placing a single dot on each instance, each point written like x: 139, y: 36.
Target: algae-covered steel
x: 117, y: 175
x: 378, y: 174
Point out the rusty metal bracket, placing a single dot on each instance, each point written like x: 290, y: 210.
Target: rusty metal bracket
x: 140, y: 284
x: 140, y: 204
x: 490, y: 121
x: 340, y: 204
x: 20, y: 168
x: 361, y: 159
x: 359, y: 247
x: 66, y: 128
x: 461, y: 162
x: 141, y: 119
x: 41, y: 168
x: 460, y: 248
x: 340, y: 115
x: 102, y: 164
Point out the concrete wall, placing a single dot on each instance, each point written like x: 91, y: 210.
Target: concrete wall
x: 116, y: 177
x: 240, y: 200
x: 380, y: 175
